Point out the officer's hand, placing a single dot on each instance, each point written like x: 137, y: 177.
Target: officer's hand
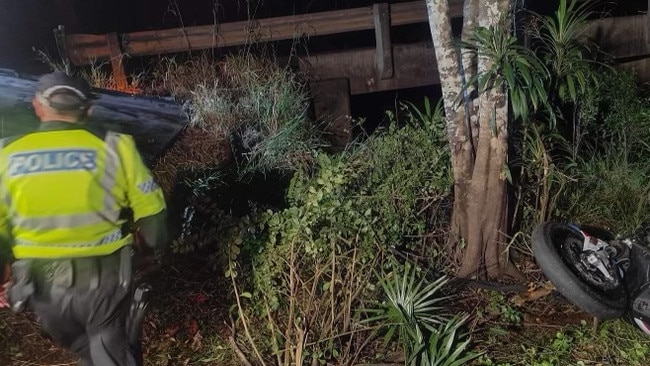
x: 4, y: 302
x: 4, y: 287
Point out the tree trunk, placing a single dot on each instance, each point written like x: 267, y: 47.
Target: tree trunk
x: 458, y: 132
x: 477, y: 133
x: 469, y: 64
x: 486, y: 254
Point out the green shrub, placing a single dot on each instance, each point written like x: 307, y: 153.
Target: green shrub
x: 610, y: 171
x: 313, y: 262
x: 594, y: 171
x: 614, y: 117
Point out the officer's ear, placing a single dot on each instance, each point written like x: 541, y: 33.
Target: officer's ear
x: 38, y: 107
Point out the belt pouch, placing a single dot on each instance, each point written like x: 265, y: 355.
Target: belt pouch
x: 61, y: 273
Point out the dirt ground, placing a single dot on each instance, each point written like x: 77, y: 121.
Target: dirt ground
x: 190, y: 309
x: 184, y: 308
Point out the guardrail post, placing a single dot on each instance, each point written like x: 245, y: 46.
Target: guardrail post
x: 113, y: 42
x: 384, y: 56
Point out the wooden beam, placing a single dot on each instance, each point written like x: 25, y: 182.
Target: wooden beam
x: 115, y: 52
x: 85, y: 48
x: 384, y: 57
x: 415, y: 66
x: 607, y: 33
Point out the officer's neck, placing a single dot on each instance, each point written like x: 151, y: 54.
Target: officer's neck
x: 49, y: 117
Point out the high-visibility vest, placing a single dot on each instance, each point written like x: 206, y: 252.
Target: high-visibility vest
x: 63, y: 192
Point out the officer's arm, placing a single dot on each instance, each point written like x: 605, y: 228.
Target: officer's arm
x: 5, y: 250
x: 6, y: 240
x: 145, y: 197
x: 153, y: 229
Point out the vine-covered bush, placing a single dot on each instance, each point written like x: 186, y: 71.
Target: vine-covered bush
x: 314, y: 267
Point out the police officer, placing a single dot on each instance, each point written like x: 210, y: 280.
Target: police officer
x: 71, y: 195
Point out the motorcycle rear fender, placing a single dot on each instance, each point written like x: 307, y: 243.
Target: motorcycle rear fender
x: 641, y: 304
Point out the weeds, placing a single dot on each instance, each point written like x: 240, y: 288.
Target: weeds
x: 614, y: 343
x: 96, y: 74
x: 500, y: 306
x: 413, y: 310
x: 312, y: 262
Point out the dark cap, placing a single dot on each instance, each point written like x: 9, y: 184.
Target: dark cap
x: 64, y: 92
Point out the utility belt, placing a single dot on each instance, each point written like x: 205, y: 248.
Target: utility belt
x: 45, y: 276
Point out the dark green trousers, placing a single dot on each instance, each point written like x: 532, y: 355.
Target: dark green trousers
x: 83, y: 307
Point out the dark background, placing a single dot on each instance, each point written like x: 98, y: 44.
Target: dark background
x: 26, y: 25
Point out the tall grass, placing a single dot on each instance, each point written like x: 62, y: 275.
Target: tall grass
x: 244, y: 110
x: 611, y: 191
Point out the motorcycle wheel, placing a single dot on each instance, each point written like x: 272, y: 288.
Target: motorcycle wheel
x: 549, y: 247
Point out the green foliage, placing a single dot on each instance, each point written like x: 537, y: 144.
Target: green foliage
x: 312, y: 263
x: 598, y: 175
x: 279, y: 134
x: 413, y: 310
x: 543, y: 175
x: 609, y: 165
x: 549, y: 355
x: 510, y: 65
x: 614, y: 117
x: 590, y: 166
x: 609, y: 190
x: 446, y: 346
x: 564, y: 51
x: 614, y: 342
x: 402, y: 174
x: 499, y: 305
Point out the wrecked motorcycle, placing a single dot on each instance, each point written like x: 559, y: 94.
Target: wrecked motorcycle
x: 604, y: 274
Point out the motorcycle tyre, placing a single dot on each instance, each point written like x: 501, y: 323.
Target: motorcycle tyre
x: 579, y: 293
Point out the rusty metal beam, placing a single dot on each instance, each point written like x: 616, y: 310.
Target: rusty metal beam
x: 87, y: 48
x: 112, y: 39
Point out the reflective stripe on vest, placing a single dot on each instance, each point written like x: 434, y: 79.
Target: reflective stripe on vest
x: 114, y: 236
x: 64, y: 221
x: 24, y: 249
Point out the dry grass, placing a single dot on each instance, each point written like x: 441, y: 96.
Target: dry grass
x: 195, y: 150
x: 243, y: 108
